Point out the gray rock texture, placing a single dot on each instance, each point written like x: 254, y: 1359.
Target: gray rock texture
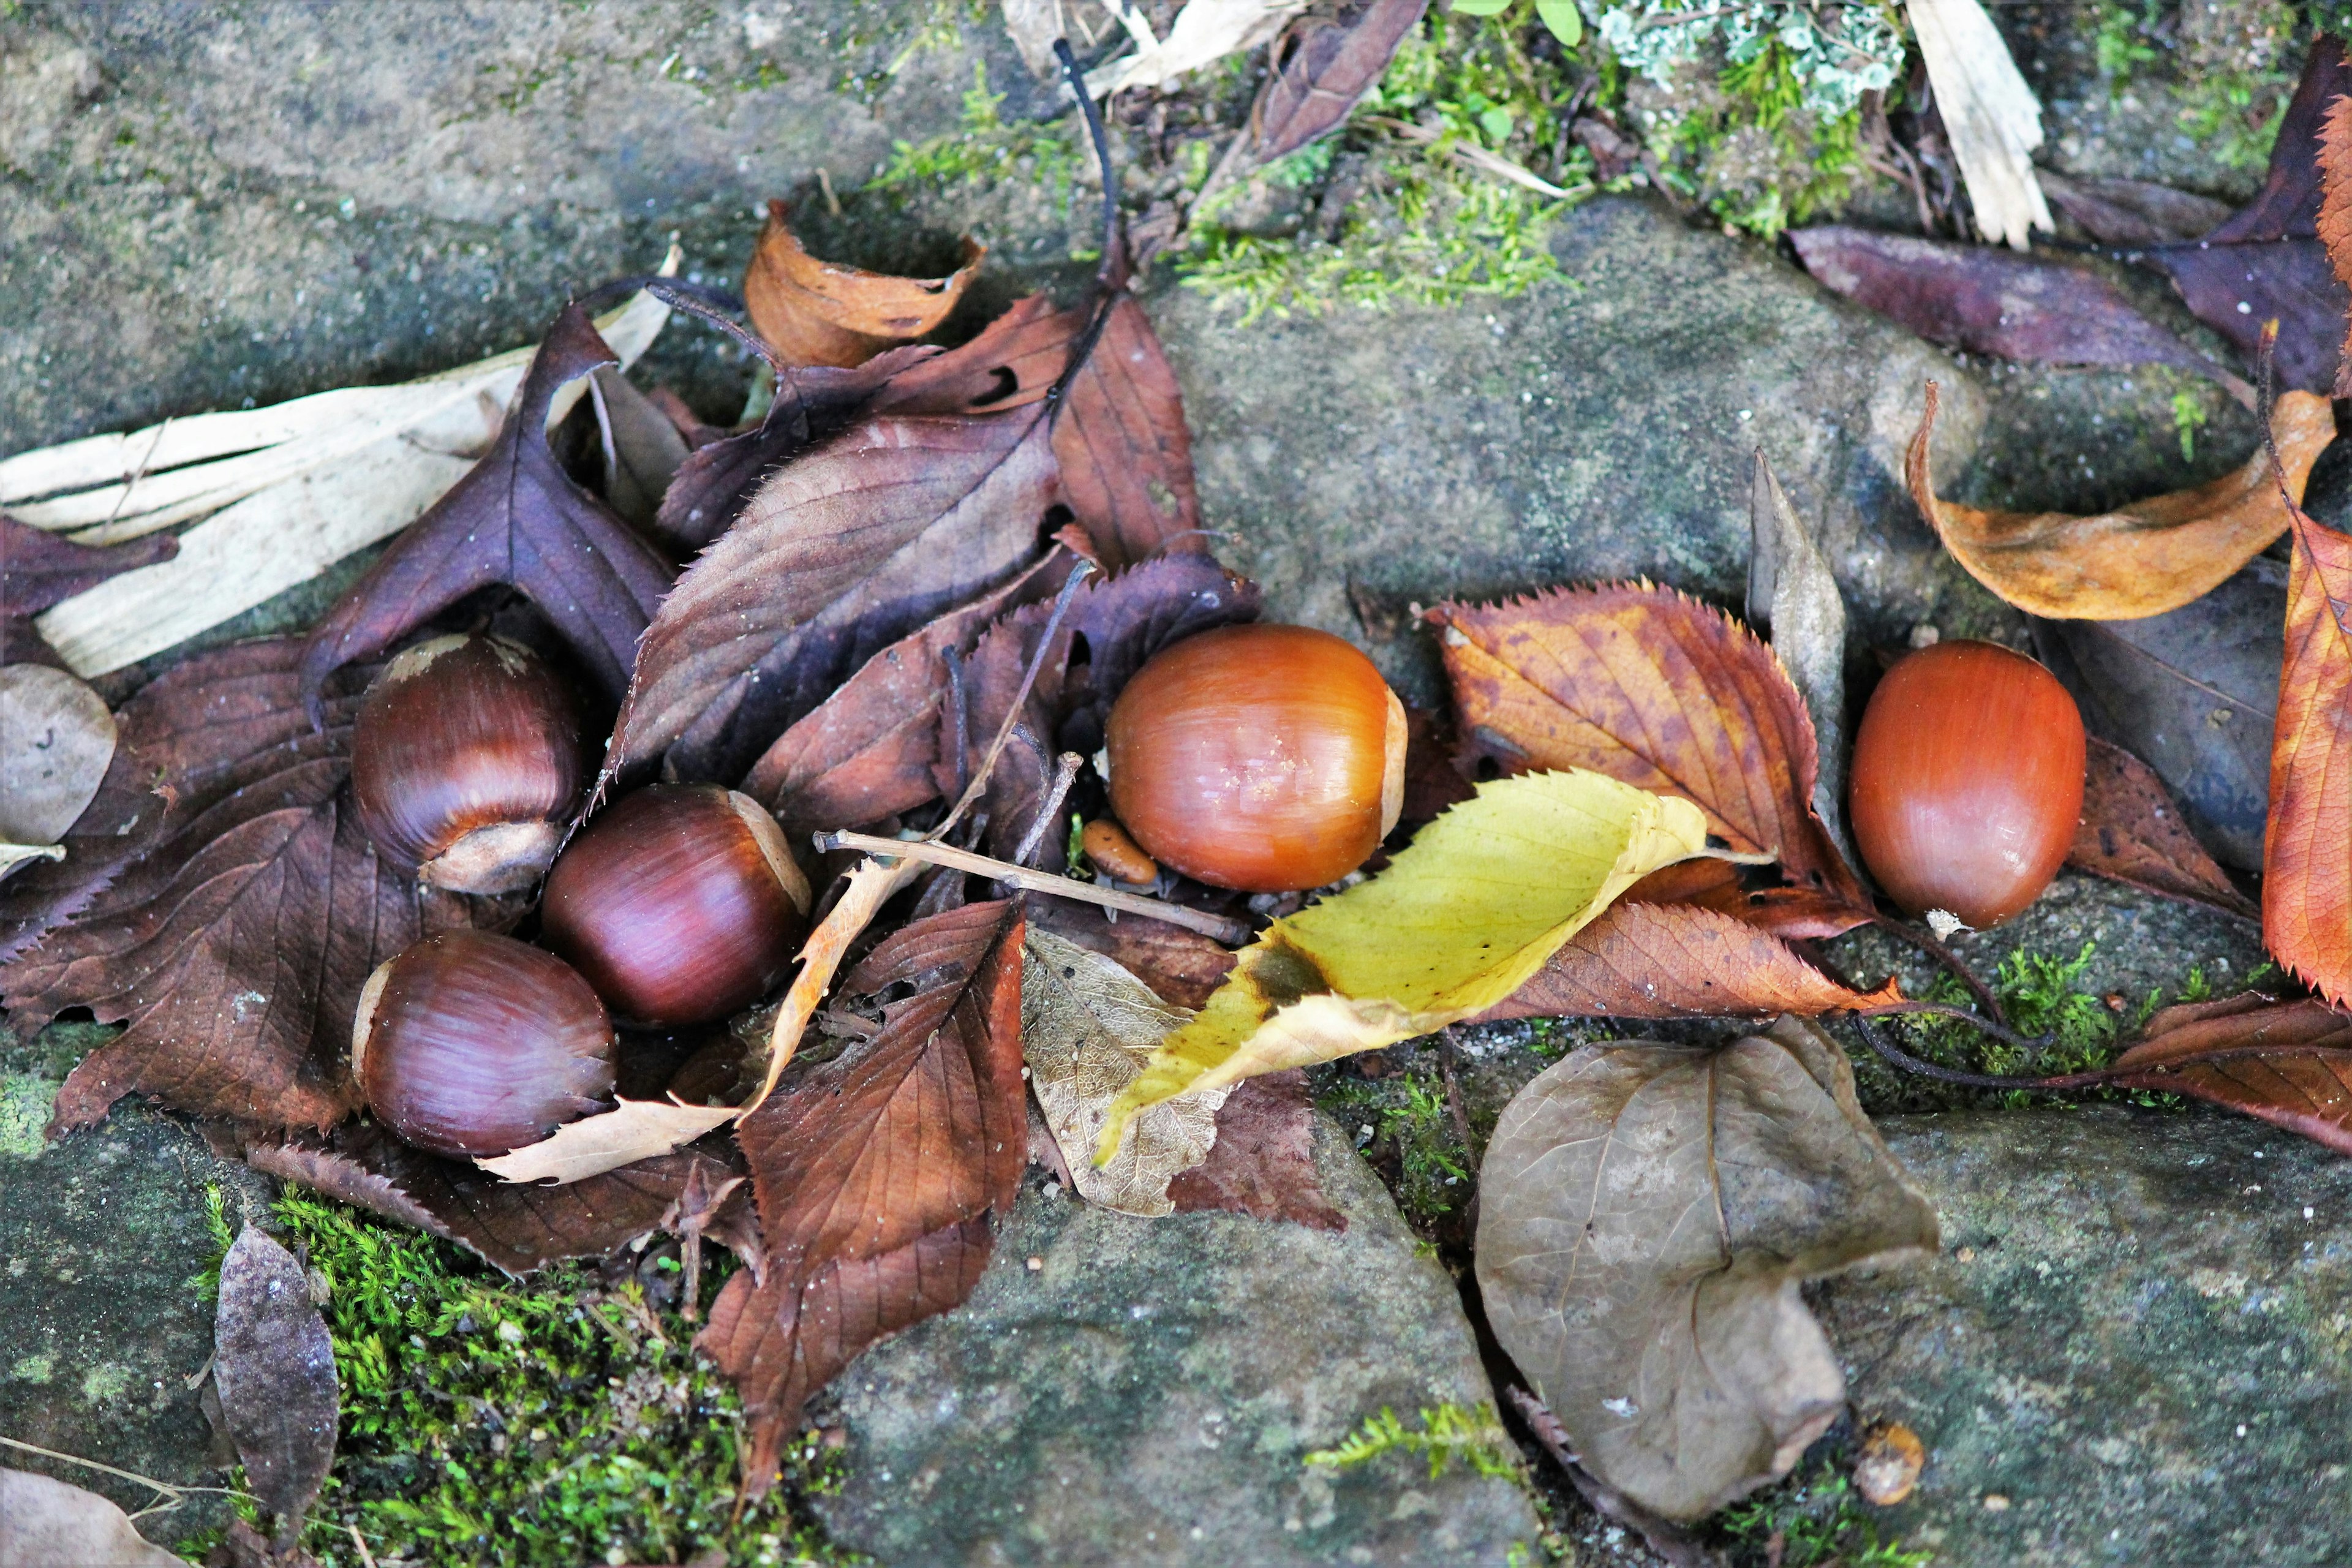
x: 103, y: 1320
x: 2135, y: 1347
x: 1143, y: 1392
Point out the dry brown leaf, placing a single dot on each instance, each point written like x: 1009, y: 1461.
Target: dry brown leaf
x: 45, y: 1524
x: 1793, y: 913
x: 870, y: 886
x: 1182, y: 967
x: 2334, y: 224
x: 2132, y: 833
x: 274, y: 1369
x: 632, y: 1130
x: 2154, y: 557
x: 39, y: 571
x: 1657, y: 690
x: 1321, y: 68
x: 881, y: 1174
x: 1647, y: 1215
x: 2289, y: 1063
x: 1681, y: 961
x: 2306, y: 862
x: 1793, y: 599
x: 821, y: 312
x: 643, y: 448
x: 1889, y: 1464
x: 57, y: 740
x: 1086, y: 1029
x: 1262, y: 1163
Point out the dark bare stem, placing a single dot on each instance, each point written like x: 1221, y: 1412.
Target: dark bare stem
x: 972, y: 791
x: 954, y: 662
x: 1106, y: 274
x: 1926, y: 941
x: 1066, y: 773
x: 1896, y: 1054
x: 1975, y: 1020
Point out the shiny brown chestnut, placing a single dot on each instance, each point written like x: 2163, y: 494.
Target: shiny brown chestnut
x: 1966, y: 781
x: 466, y: 763
x: 680, y: 904
x: 1265, y: 758
x: 470, y: 1044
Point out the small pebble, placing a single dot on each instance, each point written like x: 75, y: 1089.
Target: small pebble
x: 1036, y: 1264
x: 1994, y: 1502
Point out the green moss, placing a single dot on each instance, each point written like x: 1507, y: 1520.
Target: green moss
x: 557, y: 1421
x: 985, y: 151
x: 1448, y: 1433
x: 1413, y: 1127
x: 26, y: 1102
x: 1819, y: 1522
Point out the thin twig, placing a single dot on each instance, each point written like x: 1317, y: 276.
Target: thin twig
x: 1231, y: 932
x: 162, y: 1488
x: 1909, y: 1063
x: 972, y: 791
x: 954, y: 663
x: 1975, y: 1020
x: 1479, y: 159
x: 1065, y: 772
x: 359, y: 1544
x: 1925, y: 941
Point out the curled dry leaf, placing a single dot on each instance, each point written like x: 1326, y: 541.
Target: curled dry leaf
x: 824, y: 313
x: 292, y: 488
x: 1990, y: 115
x: 1792, y: 597
x: 1647, y: 1215
x: 869, y: 887
x: 1794, y: 913
x: 238, y: 946
x: 2289, y: 1063
x: 57, y: 740
x: 632, y: 1130
x: 2132, y: 833
x: 513, y: 1226
x: 2132, y: 212
x: 1658, y: 690
x: 857, y: 545
x: 2153, y: 556
x: 515, y: 518
x: 1322, y: 68
x: 1680, y: 961
x: 1460, y: 919
x: 880, y: 1175
x: 2307, y: 867
x: 1262, y: 1163
x: 46, y: 1523
x: 642, y: 447
x: 40, y: 570
x: 275, y: 1370
x: 1988, y: 301
x: 1087, y: 1027
x: 2193, y: 693
x: 1205, y: 32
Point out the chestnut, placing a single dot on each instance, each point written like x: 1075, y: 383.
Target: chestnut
x: 469, y: 1044
x: 467, y: 763
x: 1263, y: 758
x: 1967, y: 781
x: 680, y: 904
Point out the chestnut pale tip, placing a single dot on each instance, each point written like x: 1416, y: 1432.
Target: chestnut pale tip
x: 775, y: 848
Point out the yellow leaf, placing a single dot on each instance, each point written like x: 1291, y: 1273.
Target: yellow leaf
x: 1460, y: 919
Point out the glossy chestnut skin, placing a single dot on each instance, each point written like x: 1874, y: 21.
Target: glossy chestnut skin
x: 1265, y: 758
x: 466, y: 763
x: 680, y: 904
x: 471, y: 1043
x: 1966, y: 781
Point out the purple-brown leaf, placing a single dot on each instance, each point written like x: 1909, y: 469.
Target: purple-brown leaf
x: 38, y: 569
x: 881, y: 1174
x: 515, y: 518
x: 838, y: 555
x: 2289, y: 1063
x: 1126, y: 454
x: 274, y: 1369
x: 2132, y: 833
x: 1322, y: 68
x: 1262, y: 1163
x: 238, y: 946
x: 516, y: 1227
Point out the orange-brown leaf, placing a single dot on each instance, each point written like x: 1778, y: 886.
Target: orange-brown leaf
x: 2289, y: 1063
x: 880, y: 1175
x: 1796, y: 913
x: 2131, y: 832
x: 2150, y: 557
x: 1654, y: 689
x: 821, y: 313
x: 1680, y: 961
x: 2335, y: 211
x: 2307, y: 842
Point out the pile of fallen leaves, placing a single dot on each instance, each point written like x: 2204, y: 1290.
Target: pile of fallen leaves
x: 911, y: 590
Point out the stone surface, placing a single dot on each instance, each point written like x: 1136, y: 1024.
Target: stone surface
x: 102, y: 1324
x: 2136, y: 1335
x: 1146, y: 1394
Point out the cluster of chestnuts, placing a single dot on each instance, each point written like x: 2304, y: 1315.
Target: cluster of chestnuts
x: 679, y: 905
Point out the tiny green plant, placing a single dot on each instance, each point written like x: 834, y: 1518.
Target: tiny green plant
x: 1448, y: 1432
x: 1819, y: 1522
x: 2188, y: 419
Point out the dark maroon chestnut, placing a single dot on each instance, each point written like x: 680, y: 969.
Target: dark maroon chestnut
x: 1966, y: 781
x: 466, y: 763
x: 474, y: 1044
x: 680, y: 904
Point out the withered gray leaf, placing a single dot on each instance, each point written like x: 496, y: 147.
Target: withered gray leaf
x: 642, y: 449
x: 56, y: 740
x: 46, y: 1523
x: 1648, y: 1213
x: 275, y: 1368
x: 1087, y: 1027
x: 1793, y: 597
